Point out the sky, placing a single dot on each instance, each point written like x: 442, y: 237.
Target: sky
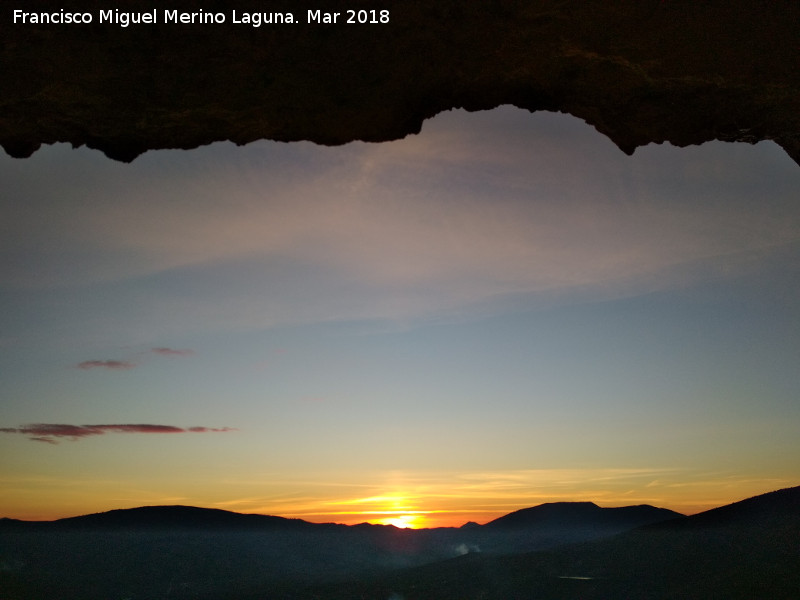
x: 501, y: 311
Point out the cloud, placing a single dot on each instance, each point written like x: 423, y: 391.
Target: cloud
x: 479, y: 213
x: 172, y: 352
x: 122, y: 365
x: 47, y: 440
x: 106, y: 364
x: 210, y: 429
x: 48, y: 432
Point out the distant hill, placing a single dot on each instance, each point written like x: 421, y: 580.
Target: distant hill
x: 558, y: 523
x: 772, y: 508
x: 558, y: 514
x: 178, y: 517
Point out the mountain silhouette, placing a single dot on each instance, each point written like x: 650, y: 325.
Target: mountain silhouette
x: 744, y: 550
x: 557, y: 514
x: 178, y: 517
x: 773, y: 508
x: 558, y: 523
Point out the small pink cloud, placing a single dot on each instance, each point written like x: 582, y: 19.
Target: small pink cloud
x: 210, y: 429
x: 135, y: 428
x: 106, y: 364
x: 171, y: 352
x: 49, y: 432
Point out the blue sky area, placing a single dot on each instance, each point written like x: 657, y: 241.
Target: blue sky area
x: 500, y: 311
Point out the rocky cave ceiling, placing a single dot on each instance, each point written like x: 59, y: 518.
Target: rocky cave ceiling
x: 639, y: 72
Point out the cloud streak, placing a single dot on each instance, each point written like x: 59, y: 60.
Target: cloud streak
x: 172, y: 352
x: 124, y: 365
x: 51, y: 432
x: 114, y: 365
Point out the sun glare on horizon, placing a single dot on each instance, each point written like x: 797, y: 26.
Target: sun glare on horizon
x: 397, y: 509
x: 402, y: 521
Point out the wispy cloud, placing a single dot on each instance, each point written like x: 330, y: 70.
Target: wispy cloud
x: 123, y: 365
x: 46, y: 440
x: 172, y: 352
x: 210, y: 429
x: 116, y: 365
x: 51, y: 432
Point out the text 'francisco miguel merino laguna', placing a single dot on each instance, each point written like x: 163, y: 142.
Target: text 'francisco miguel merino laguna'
x: 199, y: 17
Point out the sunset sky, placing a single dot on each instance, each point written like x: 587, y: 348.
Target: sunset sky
x: 502, y: 311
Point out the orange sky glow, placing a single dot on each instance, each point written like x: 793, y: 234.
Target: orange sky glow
x: 434, y: 501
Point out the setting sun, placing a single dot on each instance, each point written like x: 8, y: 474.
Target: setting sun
x: 393, y: 509
x: 402, y: 521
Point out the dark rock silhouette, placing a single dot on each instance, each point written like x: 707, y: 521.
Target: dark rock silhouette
x: 639, y: 72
